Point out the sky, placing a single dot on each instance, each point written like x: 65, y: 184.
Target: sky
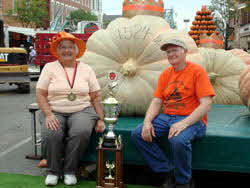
x: 184, y: 9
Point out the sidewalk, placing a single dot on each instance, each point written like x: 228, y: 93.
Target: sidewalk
x: 13, y: 160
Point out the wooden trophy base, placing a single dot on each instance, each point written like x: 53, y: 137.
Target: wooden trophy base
x: 109, y: 182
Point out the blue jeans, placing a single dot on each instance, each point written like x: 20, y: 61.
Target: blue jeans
x: 180, y: 146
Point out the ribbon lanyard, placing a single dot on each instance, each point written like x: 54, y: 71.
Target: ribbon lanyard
x: 74, y: 75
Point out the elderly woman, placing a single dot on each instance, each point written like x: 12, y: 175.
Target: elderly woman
x: 68, y: 95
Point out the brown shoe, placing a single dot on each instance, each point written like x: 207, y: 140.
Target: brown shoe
x: 191, y: 184
x: 169, y: 181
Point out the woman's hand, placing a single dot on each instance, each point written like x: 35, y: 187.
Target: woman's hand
x: 147, y: 132
x: 52, y: 122
x: 100, y: 126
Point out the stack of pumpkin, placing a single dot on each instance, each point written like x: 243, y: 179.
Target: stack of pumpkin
x: 203, y: 24
x: 212, y: 41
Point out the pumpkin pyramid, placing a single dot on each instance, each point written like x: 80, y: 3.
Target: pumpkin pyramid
x: 212, y: 41
x: 203, y: 24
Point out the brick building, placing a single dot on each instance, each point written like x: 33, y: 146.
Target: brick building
x: 58, y: 10
x: 5, y: 6
x: 241, y: 25
x: 245, y: 30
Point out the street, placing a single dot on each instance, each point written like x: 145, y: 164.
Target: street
x: 15, y: 131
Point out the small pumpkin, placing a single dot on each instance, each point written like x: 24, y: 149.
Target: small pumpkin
x: 198, y: 12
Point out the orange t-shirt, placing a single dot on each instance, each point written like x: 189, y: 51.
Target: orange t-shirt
x: 181, y: 90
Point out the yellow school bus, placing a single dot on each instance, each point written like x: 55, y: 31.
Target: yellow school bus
x: 14, y: 68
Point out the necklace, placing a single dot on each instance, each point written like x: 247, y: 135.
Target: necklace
x: 71, y: 96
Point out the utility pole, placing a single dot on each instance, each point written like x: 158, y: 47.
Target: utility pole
x: 186, y: 21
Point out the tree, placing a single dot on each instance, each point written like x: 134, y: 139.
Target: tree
x: 78, y: 16
x: 30, y: 13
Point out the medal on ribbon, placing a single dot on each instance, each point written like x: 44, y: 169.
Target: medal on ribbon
x: 71, y: 96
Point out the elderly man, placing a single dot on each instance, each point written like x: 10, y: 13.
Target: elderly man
x: 185, y: 93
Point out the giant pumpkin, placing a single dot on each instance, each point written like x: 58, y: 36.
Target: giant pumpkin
x: 244, y: 56
x: 131, y: 47
x: 223, y: 69
x: 244, y: 87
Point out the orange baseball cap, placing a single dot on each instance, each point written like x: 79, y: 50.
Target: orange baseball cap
x: 66, y: 36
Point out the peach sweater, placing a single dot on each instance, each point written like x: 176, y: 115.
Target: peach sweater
x: 54, y: 80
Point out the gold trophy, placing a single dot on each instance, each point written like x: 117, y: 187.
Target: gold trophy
x: 111, y: 111
x: 110, y: 167
x: 109, y: 175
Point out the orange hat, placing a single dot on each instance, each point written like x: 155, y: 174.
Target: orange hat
x: 66, y: 36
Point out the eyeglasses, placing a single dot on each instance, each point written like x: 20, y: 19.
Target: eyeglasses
x: 61, y: 47
x: 174, y: 51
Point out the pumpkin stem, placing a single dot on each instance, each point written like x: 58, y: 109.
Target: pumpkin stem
x: 129, y: 68
x: 212, y: 76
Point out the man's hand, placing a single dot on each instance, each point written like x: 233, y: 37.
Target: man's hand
x: 176, y: 128
x: 52, y: 122
x: 147, y: 132
x: 100, y: 126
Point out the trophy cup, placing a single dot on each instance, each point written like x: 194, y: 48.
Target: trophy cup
x: 111, y: 110
x: 110, y: 143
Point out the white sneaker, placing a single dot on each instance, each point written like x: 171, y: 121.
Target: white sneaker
x: 51, y: 179
x: 70, y: 179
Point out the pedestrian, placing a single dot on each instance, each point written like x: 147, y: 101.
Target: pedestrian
x: 32, y: 55
x: 185, y: 93
x: 69, y: 96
